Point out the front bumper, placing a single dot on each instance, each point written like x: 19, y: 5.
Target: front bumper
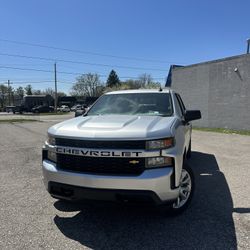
x: 153, y: 183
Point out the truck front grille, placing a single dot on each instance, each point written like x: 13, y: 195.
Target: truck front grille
x: 101, y: 165
x: 101, y: 144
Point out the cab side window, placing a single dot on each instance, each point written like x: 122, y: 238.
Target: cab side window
x: 181, y: 104
x: 178, y: 108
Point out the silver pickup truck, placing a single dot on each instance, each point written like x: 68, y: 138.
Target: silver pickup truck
x: 130, y: 146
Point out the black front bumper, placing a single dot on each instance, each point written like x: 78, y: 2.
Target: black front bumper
x: 76, y: 193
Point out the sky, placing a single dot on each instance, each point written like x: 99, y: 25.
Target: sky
x: 132, y: 37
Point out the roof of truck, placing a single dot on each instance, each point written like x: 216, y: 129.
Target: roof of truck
x: 133, y: 91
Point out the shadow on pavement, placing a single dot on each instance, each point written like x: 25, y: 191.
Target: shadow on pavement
x: 241, y: 210
x: 207, y: 224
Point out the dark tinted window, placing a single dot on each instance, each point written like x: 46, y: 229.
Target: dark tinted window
x: 181, y: 104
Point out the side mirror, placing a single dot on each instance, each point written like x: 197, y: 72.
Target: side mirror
x: 78, y: 113
x: 191, y: 115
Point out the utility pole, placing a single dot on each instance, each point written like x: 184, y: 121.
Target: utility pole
x: 55, y: 87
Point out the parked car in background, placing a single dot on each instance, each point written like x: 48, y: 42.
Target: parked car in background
x: 52, y: 108
x: 9, y: 109
x: 15, y: 109
x: 64, y: 108
x: 81, y: 111
x: 76, y: 107
x: 42, y: 109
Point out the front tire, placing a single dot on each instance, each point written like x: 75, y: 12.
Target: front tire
x: 187, y: 185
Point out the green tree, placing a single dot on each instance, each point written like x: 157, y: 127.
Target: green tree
x: 28, y: 89
x: 144, y: 81
x: 3, y: 95
x: 153, y: 85
x: 113, y: 79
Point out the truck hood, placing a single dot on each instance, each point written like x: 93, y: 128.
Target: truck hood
x: 114, y: 127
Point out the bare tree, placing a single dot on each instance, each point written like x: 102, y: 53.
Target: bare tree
x: 37, y: 92
x: 145, y: 79
x: 59, y: 93
x: 86, y: 85
x: 49, y: 91
x: 19, y: 92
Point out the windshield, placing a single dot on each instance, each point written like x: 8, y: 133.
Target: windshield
x: 133, y: 104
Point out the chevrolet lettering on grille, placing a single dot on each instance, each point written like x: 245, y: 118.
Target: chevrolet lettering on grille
x: 97, y: 153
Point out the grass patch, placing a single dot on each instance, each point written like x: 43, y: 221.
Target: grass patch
x: 17, y: 120
x: 224, y: 130
x: 53, y: 113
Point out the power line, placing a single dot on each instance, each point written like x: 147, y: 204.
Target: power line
x: 70, y: 73
x: 87, y: 52
x: 35, y: 80
x: 27, y: 64
x: 27, y: 82
x: 45, y: 82
x: 31, y: 81
x: 42, y: 70
x: 79, y: 62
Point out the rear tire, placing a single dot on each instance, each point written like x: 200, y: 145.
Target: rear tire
x: 187, y: 186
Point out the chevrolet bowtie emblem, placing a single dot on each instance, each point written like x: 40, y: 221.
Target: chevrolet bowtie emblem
x: 133, y: 162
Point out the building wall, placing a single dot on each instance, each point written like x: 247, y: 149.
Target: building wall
x: 222, y: 95
x: 31, y: 101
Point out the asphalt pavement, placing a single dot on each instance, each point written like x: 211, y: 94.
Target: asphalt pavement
x: 218, y: 218
x: 39, y: 117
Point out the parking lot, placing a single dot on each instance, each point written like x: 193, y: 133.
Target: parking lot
x: 219, y: 216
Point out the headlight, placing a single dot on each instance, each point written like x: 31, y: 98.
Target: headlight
x: 52, y: 156
x: 158, y: 162
x: 160, y: 144
x: 51, y: 140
